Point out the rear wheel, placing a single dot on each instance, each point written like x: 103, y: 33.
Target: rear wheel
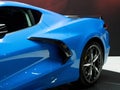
x: 91, y: 63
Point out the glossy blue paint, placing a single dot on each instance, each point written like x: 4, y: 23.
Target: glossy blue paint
x: 30, y: 64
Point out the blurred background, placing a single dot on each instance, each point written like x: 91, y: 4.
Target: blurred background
x: 108, y: 9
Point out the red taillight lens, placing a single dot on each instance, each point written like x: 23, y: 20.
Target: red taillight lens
x: 105, y: 26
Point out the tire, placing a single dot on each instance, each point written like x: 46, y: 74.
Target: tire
x: 91, y: 63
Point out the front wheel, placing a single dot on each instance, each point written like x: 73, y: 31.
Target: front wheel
x: 91, y: 63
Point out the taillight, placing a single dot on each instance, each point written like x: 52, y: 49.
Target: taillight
x: 105, y: 26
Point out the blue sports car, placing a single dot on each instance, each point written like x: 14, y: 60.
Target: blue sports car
x: 40, y: 49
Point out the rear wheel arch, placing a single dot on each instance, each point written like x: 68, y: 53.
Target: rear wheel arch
x: 96, y: 39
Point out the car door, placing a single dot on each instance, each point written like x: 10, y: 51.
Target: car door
x: 16, y: 51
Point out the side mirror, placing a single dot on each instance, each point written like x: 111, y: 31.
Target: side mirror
x: 3, y: 30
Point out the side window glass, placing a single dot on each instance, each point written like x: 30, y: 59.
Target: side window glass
x: 17, y: 18
x: 36, y: 16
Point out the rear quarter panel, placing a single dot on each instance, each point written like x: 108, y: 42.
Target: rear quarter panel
x: 75, y: 34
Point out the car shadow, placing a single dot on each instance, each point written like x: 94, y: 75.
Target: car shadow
x: 108, y: 81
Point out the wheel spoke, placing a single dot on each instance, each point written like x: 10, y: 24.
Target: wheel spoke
x: 96, y: 57
x: 90, y: 78
x: 91, y: 53
x: 96, y: 69
x: 87, y: 65
x: 90, y: 71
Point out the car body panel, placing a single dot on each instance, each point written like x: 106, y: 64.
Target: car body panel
x: 27, y: 63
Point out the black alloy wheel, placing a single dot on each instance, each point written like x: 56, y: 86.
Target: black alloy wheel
x: 91, y: 63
